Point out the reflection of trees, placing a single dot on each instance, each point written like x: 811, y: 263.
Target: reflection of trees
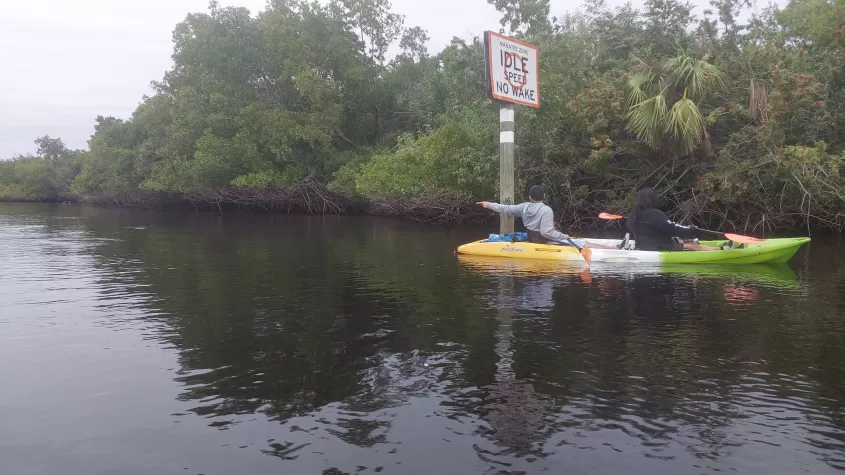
x: 285, y: 316
x: 261, y: 328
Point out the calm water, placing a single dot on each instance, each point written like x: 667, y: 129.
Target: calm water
x: 149, y: 343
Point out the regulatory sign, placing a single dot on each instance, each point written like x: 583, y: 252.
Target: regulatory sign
x: 513, y: 68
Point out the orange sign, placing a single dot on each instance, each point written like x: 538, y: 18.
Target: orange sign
x: 513, y: 67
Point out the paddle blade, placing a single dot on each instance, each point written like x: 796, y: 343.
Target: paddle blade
x: 609, y: 216
x: 743, y: 239
x: 587, y: 254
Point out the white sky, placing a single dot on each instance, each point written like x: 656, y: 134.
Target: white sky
x: 63, y: 62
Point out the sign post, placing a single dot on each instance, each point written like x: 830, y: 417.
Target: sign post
x: 512, y: 74
x: 507, y: 112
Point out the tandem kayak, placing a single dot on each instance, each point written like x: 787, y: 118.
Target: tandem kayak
x: 770, y: 250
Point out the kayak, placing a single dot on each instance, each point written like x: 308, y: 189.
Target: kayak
x: 769, y: 251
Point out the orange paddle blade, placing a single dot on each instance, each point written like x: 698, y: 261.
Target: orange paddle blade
x: 587, y: 254
x: 610, y: 216
x: 743, y: 239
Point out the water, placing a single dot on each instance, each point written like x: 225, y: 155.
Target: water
x: 139, y: 342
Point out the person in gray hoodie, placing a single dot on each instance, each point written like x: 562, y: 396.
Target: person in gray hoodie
x: 538, y: 219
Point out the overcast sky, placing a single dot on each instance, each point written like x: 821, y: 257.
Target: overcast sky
x: 64, y: 62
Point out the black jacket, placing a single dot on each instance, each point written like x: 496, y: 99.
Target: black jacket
x: 653, y: 231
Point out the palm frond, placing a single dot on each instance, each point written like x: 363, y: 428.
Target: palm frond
x: 685, y: 123
x: 637, y: 88
x: 695, y: 75
x: 647, y: 119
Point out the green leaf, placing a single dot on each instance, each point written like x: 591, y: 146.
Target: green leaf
x: 695, y: 75
x: 647, y: 119
x: 685, y: 124
x: 637, y: 87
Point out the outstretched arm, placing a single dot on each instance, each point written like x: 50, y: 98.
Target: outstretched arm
x: 507, y: 210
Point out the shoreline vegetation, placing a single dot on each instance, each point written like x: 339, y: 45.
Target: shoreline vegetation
x: 735, y: 114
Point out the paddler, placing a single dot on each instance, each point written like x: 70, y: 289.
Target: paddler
x: 538, y: 219
x: 654, y: 231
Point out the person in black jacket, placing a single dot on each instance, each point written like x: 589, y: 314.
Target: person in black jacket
x: 654, y: 231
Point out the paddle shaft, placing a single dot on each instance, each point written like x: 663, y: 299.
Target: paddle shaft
x: 733, y: 237
x: 615, y: 217
x: 710, y: 231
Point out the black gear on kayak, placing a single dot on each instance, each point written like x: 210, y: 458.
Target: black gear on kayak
x: 536, y: 237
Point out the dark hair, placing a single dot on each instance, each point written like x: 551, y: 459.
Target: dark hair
x: 646, y: 199
x: 536, y: 193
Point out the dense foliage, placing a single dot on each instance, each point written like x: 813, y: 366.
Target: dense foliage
x: 738, y: 118
x: 47, y: 177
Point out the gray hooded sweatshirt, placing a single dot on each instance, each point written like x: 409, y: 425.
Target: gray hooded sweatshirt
x: 536, y: 216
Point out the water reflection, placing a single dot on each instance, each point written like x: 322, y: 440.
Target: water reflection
x: 353, y: 345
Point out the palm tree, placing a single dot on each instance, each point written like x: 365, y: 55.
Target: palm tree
x: 681, y: 80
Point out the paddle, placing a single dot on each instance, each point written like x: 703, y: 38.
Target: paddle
x: 587, y: 254
x: 733, y: 237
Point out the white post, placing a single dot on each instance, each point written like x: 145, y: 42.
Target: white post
x: 506, y: 162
